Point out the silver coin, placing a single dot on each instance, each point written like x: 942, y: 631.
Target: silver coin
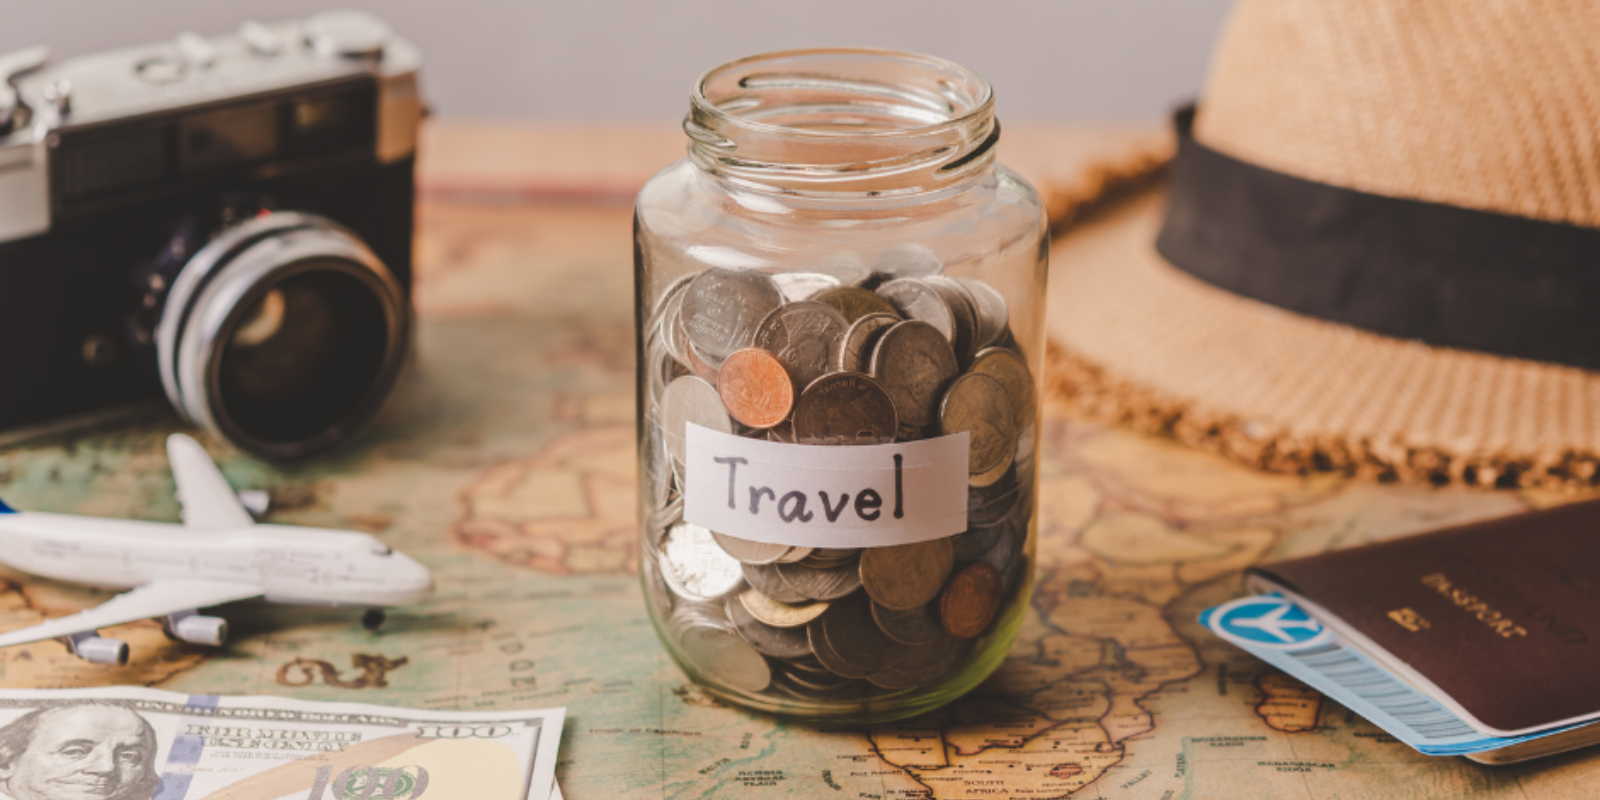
x: 694, y: 567
x: 751, y: 552
x: 906, y: 576
x: 797, y: 286
x: 916, y: 300
x: 655, y: 588
x: 994, y: 317
x: 722, y: 307
x: 977, y: 405
x: 855, y: 353
x: 690, y: 399
x: 714, y: 649
x: 821, y: 584
x: 805, y: 337
x: 766, y: 639
x: 914, y: 362
x: 765, y: 579
x: 908, y: 626
x: 845, y: 408
x: 669, y: 327
x: 963, y: 312
x: 987, y: 505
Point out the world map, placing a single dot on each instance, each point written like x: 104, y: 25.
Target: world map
x: 507, y: 465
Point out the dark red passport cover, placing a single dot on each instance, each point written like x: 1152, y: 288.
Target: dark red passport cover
x: 1503, y: 615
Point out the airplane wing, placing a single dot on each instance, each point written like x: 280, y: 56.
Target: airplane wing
x: 208, y: 501
x: 156, y: 599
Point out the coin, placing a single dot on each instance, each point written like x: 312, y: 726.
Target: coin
x: 797, y: 286
x: 821, y: 584
x: 914, y: 362
x: 755, y: 388
x: 722, y: 307
x: 750, y: 552
x: 669, y: 325
x: 854, y: 302
x: 977, y: 404
x: 690, y: 399
x: 779, y: 615
x: 766, y: 639
x: 908, y: 575
x: 855, y: 353
x: 987, y: 505
x: 845, y: 408
x: 970, y: 601
x: 963, y: 314
x: 694, y: 567
x: 714, y: 648
x: 1008, y: 367
x: 975, y: 541
x: 782, y: 432
x: 994, y: 319
x: 907, y: 626
x: 765, y: 579
x: 701, y: 367
x: 919, y: 301
x: 805, y: 337
x: 851, y: 639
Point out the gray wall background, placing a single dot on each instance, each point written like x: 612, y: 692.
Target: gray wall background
x: 607, y: 59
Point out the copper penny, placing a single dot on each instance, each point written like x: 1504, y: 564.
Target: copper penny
x: 970, y: 601
x: 755, y: 388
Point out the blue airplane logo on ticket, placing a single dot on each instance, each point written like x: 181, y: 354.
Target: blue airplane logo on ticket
x: 1269, y: 621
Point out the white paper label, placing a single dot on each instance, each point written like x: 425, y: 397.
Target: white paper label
x: 811, y: 496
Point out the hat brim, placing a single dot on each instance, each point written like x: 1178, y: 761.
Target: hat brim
x: 1140, y: 342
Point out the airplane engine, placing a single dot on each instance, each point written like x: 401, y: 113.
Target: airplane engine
x: 100, y: 650
x: 196, y: 629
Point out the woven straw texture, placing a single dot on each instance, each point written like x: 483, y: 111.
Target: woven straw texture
x: 1136, y: 341
x: 1486, y: 104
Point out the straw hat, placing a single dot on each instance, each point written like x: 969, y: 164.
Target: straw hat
x: 1378, y: 251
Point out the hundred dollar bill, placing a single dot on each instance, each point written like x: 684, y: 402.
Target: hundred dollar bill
x: 130, y: 743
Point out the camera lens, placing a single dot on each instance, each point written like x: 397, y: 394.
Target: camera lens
x: 284, y: 335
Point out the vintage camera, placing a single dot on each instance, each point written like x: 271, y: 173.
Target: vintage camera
x: 222, y: 222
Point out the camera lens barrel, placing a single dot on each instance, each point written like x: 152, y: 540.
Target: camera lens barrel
x: 284, y: 335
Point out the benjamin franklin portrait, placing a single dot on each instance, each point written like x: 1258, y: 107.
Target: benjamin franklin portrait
x: 78, y: 751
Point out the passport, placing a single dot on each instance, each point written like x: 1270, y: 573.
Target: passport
x: 1499, y: 621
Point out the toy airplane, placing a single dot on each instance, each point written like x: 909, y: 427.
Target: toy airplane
x: 219, y: 555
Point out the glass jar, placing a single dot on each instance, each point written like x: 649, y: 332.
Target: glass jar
x: 840, y: 307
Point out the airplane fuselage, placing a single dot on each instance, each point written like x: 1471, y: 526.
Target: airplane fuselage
x: 291, y: 564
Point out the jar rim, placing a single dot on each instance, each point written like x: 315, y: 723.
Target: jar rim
x: 980, y: 109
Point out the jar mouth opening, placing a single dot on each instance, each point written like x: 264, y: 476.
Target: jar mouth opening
x: 842, y: 93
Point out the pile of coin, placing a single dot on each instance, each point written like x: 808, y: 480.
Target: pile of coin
x: 809, y: 359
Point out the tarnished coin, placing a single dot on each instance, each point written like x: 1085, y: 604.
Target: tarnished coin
x: 797, y: 286
x: 914, y: 362
x: 855, y: 354
x: 766, y: 639
x: 766, y: 580
x: 994, y: 318
x: 722, y: 307
x: 821, y: 584
x: 916, y: 300
x: 690, y: 399
x: 715, y: 650
x: 835, y: 662
x: 823, y: 558
x: 987, y: 505
x: 970, y: 601
x: 854, y: 302
x: 694, y: 567
x: 1008, y: 367
x: 779, y: 615
x: 755, y: 388
x: 782, y: 432
x: 963, y: 312
x: 808, y: 685
x: 751, y: 552
x: 805, y: 337
x: 975, y: 542
x: 925, y: 664
x: 908, y: 575
x: 977, y: 404
x: 852, y: 637
x: 845, y: 408
x: 918, y: 625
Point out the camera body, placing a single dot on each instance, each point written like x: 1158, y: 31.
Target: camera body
x: 134, y: 184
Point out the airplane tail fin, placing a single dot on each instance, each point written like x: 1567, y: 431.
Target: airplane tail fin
x: 5, y: 509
